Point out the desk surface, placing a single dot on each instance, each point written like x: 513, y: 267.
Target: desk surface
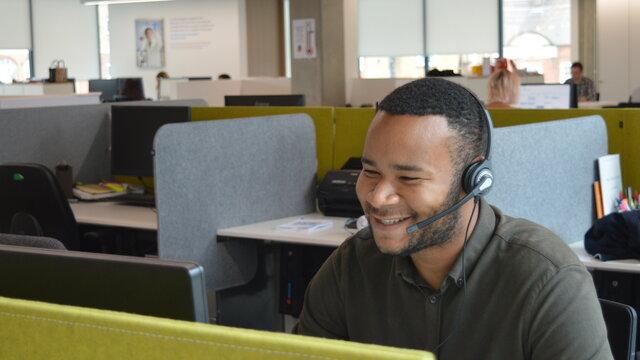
x: 337, y: 234
x: 629, y: 265
x: 114, y: 214
x: 267, y: 230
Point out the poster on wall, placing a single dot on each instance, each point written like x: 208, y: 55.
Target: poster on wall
x: 149, y: 43
x: 304, y: 39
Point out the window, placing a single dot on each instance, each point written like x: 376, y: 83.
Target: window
x: 14, y: 65
x: 103, y: 35
x: 395, y: 37
x: 537, y: 36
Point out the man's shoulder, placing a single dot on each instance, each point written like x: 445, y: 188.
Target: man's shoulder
x: 527, y: 241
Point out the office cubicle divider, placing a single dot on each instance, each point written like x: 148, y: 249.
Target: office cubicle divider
x: 216, y: 174
x: 77, y: 135
x: 544, y: 172
x: 37, y: 330
x: 322, y: 120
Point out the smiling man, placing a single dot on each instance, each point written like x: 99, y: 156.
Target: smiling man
x: 473, y: 284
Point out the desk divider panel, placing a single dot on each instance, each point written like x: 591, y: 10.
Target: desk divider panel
x: 322, y: 120
x: 78, y: 135
x: 544, y: 172
x: 216, y: 174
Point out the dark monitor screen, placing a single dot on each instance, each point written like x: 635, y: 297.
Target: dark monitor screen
x: 264, y: 100
x: 130, y: 89
x: 109, y: 88
x: 133, y: 129
x: 155, y: 287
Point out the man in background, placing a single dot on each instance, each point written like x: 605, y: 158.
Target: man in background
x: 585, y: 87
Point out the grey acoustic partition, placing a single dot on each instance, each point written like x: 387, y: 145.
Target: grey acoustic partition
x: 545, y: 172
x: 77, y: 135
x: 217, y: 174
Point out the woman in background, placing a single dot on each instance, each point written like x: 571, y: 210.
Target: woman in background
x: 504, y: 87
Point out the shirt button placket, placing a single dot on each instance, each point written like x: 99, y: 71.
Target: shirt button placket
x: 433, y: 299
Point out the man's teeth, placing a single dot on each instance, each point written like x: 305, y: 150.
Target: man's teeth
x: 391, y: 221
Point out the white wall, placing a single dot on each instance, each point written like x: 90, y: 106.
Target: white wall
x: 14, y: 25
x: 222, y: 49
x: 618, y: 60
x: 65, y: 29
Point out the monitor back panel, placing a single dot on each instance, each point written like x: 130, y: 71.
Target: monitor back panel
x: 136, y: 285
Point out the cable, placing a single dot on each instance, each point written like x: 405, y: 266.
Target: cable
x: 464, y: 278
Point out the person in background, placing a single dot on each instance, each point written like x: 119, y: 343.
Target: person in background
x: 224, y: 77
x: 585, y: 87
x: 161, y: 75
x: 504, y: 87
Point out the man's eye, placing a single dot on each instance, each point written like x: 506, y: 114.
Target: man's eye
x: 370, y: 173
x: 409, y: 179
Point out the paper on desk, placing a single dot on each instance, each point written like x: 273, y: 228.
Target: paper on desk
x: 304, y: 225
x: 610, y: 181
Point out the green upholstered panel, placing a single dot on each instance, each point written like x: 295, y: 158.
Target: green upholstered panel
x: 35, y: 330
x: 623, y: 132
x: 322, y: 119
x: 630, y: 152
x: 351, y: 129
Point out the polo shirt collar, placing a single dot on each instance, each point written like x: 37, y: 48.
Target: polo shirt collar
x: 478, y: 240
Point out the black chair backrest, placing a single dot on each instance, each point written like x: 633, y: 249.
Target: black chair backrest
x: 32, y: 203
x: 621, y: 323
x: 41, y: 242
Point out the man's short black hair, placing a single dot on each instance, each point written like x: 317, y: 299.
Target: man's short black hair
x: 578, y: 65
x: 464, y: 113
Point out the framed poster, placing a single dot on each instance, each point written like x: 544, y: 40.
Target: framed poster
x: 150, y: 43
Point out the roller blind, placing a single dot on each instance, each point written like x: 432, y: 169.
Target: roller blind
x: 15, y: 31
x: 390, y: 27
x: 461, y: 26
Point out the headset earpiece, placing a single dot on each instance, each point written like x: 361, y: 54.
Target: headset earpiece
x: 478, y: 177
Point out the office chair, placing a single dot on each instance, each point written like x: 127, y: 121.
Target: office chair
x: 32, y: 203
x: 621, y: 323
x: 31, y: 241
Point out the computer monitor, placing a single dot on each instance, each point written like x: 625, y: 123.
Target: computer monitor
x: 169, y: 289
x: 120, y: 89
x: 264, y: 100
x: 109, y: 88
x: 130, y: 89
x: 133, y: 129
x: 547, y: 96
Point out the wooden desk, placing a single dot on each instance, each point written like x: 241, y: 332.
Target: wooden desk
x: 114, y: 214
x: 337, y: 234
x: 627, y: 266
x: 267, y: 230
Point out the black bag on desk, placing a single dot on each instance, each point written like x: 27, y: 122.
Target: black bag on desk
x: 615, y: 237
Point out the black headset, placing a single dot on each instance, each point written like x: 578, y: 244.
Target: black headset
x: 477, y: 178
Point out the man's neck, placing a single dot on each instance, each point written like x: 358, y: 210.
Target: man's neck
x: 434, y: 263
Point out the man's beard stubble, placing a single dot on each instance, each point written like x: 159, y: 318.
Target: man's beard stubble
x: 435, y: 234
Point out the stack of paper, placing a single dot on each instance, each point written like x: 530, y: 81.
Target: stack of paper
x: 306, y: 225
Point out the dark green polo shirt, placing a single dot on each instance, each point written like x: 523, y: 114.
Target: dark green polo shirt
x: 527, y: 297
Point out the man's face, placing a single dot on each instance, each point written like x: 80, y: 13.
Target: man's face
x: 576, y: 73
x: 148, y: 34
x: 407, y: 177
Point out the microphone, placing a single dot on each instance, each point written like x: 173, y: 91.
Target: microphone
x: 486, y: 183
